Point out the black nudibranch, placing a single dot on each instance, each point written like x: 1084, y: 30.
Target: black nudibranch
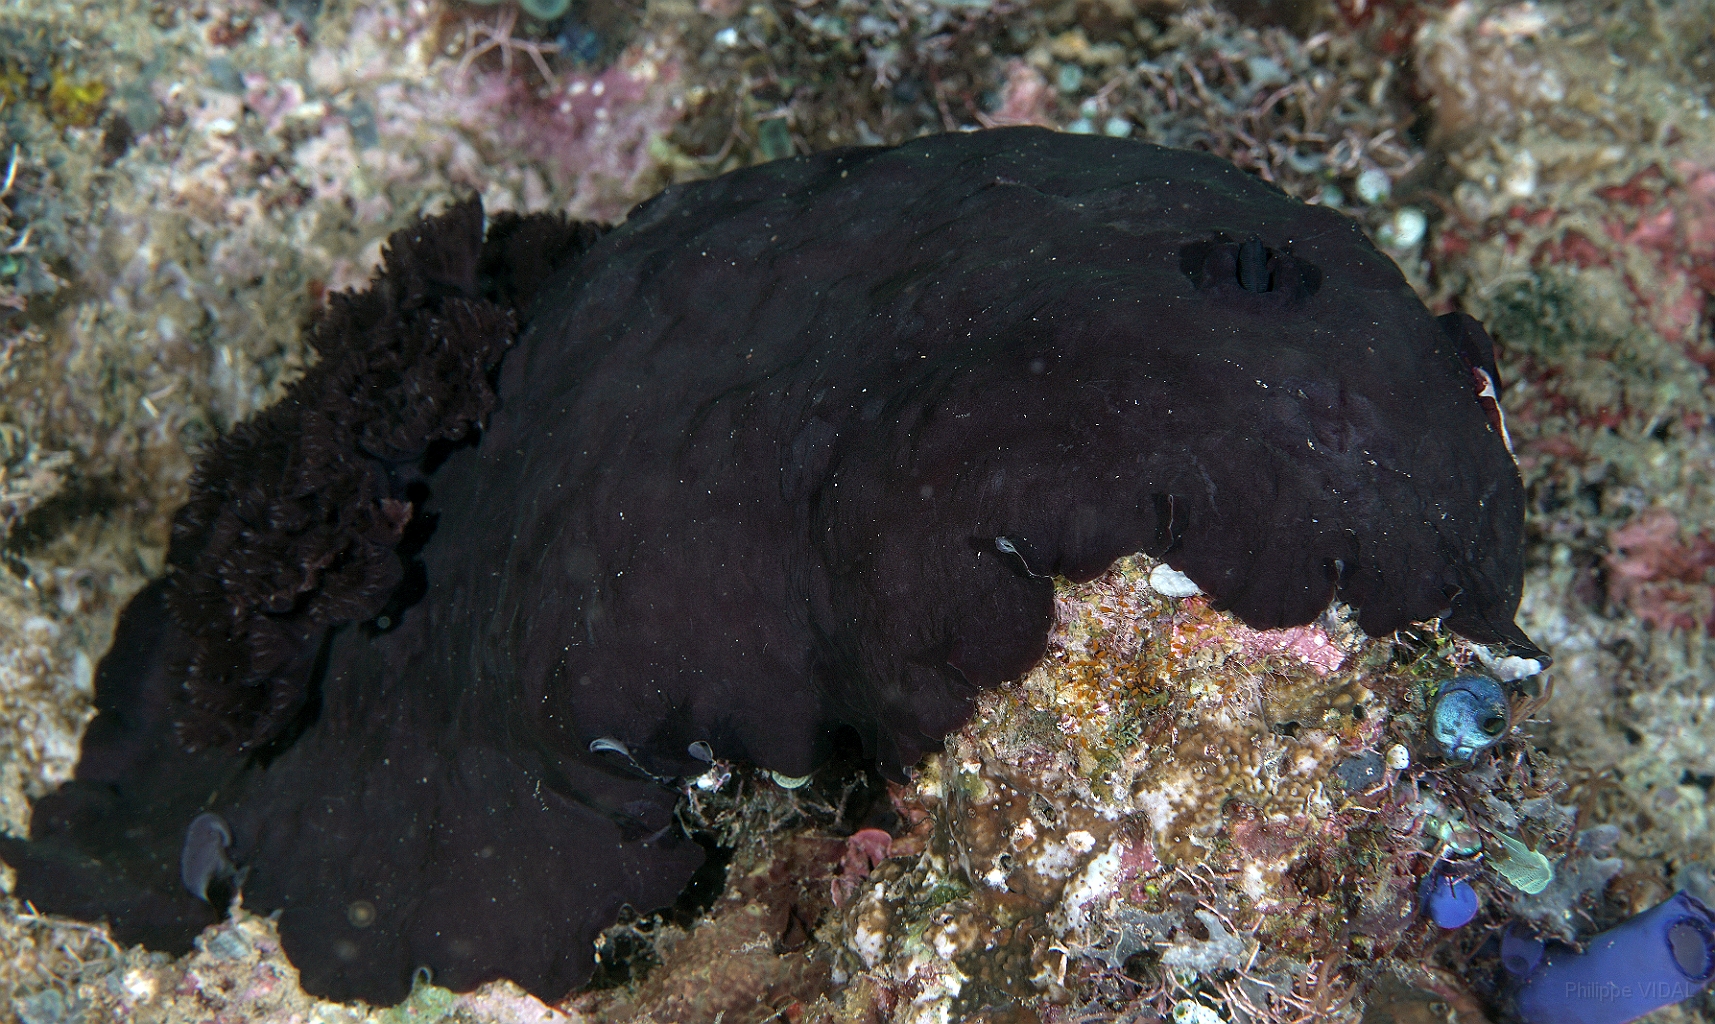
x: 794, y: 450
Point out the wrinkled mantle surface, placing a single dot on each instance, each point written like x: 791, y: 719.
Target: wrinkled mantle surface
x: 796, y: 449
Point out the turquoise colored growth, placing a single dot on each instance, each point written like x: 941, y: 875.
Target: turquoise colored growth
x: 545, y: 10
x: 1470, y: 714
x: 1526, y: 870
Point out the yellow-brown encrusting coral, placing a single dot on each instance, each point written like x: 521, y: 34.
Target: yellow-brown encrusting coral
x: 1173, y: 807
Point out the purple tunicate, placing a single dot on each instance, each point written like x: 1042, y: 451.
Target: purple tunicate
x: 1449, y: 902
x: 1521, y: 952
x: 202, y: 859
x: 1662, y: 956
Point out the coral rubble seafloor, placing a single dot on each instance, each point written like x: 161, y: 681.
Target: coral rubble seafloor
x: 1173, y: 815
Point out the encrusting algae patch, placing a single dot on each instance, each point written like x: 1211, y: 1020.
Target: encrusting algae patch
x: 1156, y: 812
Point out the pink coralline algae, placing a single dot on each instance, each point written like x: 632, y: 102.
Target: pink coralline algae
x: 1025, y: 99
x: 1307, y: 645
x: 1667, y: 581
x: 865, y: 849
x: 1310, y: 645
x: 1665, y: 222
x: 595, y: 131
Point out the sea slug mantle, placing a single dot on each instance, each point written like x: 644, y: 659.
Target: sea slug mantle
x: 797, y: 449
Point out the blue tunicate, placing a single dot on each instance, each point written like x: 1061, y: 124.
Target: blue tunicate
x: 1662, y: 956
x: 224, y: 944
x: 1521, y: 952
x: 1449, y: 902
x: 1469, y: 715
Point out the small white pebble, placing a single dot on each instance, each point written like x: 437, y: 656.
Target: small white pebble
x: 82, y: 673
x: 712, y: 780
x: 1186, y: 1011
x: 1519, y: 21
x: 1405, y: 230
x: 1507, y: 668
x: 1520, y: 180
x: 139, y: 986
x: 1512, y: 667
x: 1170, y: 582
x: 1374, y: 186
x: 727, y: 37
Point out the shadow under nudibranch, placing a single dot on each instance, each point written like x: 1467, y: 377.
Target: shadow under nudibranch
x: 564, y: 513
